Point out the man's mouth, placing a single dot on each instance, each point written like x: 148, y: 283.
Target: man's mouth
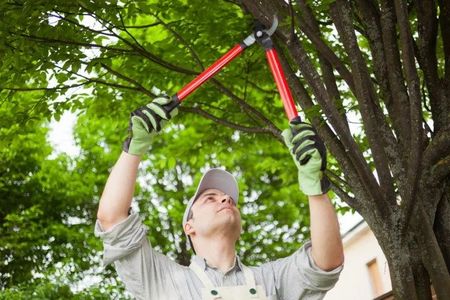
x: 226, y: 207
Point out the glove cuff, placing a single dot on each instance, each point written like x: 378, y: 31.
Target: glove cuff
x: 314, y: 187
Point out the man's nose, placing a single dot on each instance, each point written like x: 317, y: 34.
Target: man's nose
x: 226, y: 198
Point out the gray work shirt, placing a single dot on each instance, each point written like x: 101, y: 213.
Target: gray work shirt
x: 148, y: 274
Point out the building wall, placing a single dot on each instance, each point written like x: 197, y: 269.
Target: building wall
x: 366, y: 274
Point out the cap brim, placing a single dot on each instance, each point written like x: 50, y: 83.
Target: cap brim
x: 218, y: 179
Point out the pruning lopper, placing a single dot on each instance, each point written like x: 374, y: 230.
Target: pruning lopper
x: 263, y: 37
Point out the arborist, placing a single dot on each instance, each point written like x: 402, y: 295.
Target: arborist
x: 212, y: 221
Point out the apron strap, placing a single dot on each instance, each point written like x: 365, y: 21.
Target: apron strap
x: 249, y: 277
x: 201, y: 275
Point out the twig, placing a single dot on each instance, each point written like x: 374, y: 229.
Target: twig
x: 226, y: 123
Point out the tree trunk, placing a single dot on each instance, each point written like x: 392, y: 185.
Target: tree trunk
x: 400, y: 268
x: 414, y: 257
x: 416, y: 243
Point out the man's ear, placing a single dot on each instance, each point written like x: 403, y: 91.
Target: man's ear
x: 188, y: 228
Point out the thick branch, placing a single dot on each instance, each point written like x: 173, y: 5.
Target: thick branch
x: 441, y: 170
x: 414, y: 160
x: 425, y: 50
x: 439, y: 147
x: 395, y: 151
x: 400, y: 102
x: 365, y: 94
x: 444, y: 20
x: 352, y: 149
x: 310, y: 26
x: 432, y: 256
x: 442, y: 225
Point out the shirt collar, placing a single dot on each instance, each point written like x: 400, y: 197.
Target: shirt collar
x: 200, y: 261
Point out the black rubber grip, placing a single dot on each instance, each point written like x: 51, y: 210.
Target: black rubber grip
x: 172, y: 105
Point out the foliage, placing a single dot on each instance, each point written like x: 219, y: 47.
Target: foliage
x: 372, y: 77
x: 59, y: 56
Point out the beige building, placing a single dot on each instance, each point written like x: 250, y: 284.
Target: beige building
x: 366, y: 272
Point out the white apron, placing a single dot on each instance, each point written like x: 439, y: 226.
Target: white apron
x: 249, y: 291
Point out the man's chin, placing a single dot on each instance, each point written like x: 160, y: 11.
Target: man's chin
x: 228, y: 218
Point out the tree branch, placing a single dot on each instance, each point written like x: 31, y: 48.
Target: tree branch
x: 142, y: 26
x: 444, y: 20
x: 137, y: 47
x: 342, y: 194
x: 226, y: 123
x: 441, y: 169
x: 439, y: 147
x: 394, y: 148
x: 99, y: 81
x: 400, y: 102
x: 134, y: 82
x: 329, y: 78
x: 367, y: 99
x: 310, y: 26
x: 183, y: 41
x: 57, y: 88
x: 425, y: 50
x: 346, y: 158
x: 413, y: 84
x: 62, y: 18
x: 70, y: 42
x: 358, y: 163
x: 251, y: 111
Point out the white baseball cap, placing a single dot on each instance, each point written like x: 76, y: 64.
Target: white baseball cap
x: 213, y: 179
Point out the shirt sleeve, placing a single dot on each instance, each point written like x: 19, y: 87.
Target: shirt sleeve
x: 144, y: 271
x: 297, y: 276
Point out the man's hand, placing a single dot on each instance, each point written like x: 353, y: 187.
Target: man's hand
x: 145, y: 122
x: 310, y: 157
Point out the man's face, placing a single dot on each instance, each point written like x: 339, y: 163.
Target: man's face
x: 214, y: 212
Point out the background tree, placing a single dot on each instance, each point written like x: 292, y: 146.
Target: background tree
x: 382, y: 63
x: 56, y: 58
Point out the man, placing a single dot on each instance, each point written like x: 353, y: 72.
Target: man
x: 212, y: 223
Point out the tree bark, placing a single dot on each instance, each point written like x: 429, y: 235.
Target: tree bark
x: 442, y: 227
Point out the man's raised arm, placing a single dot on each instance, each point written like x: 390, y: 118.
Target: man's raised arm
x: 327, y: 249
x: 118, y: 193
x: 309, y: 155
x: 145, y: 122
